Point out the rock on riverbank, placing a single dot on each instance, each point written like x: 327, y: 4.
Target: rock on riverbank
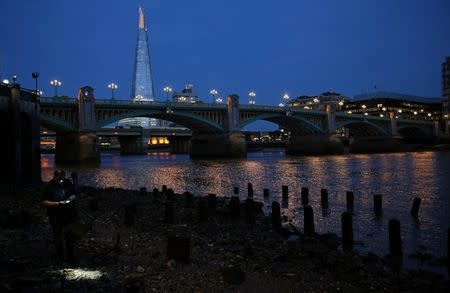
x: 226, y: 255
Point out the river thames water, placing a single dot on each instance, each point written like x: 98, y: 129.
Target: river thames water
x: 398, y: 177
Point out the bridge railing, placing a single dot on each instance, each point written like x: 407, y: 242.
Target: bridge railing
x: 57, y: 100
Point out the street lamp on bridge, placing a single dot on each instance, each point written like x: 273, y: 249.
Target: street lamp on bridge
x: 113, y: 86
x: 252, y: 96
x: 284, y: 101
x: 56, y: 83
x: 213, y: 93
x: 35, y: 76
x: 167, y: 90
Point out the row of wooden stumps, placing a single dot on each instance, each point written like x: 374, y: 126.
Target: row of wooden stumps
x: 178, y: 248
x: 395, y: 244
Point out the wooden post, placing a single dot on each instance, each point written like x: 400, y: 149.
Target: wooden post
x: 308, y: 221
x: 305, y: 196
x: 74, y: 176
x: 236, y: 190
x: 266, y: 192
x: 202, y: 210
x: 143, y: 191
x: 350, y: 199
x: 377, y: 203
x: 170, y: 195
x: 324, y: 198
x: 395, y: 240
x: 188, y: 199
x: 347, y: 231
x: 249, y: 190
x: 169, y: 213
x: 249, y: 211
x: 212, y: 202
x: 130, y: 210
x: 284, y: 192
x: 276, y: 216
x: 235, y: 207
x: 415, y: 207
x: 155, y: 192
x: 164, y: 189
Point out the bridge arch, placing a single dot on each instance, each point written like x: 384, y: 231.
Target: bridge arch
x: 295, y: 124
x: 53, y: 123
x: 194, y: 122
x: 362, y: 128
x: 414, y: 131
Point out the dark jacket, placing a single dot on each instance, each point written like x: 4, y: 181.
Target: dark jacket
x: 55, y: 191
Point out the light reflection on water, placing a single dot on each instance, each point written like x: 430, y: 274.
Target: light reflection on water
x: 398, y: 177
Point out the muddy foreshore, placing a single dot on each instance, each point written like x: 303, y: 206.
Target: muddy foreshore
x: 226, y: 255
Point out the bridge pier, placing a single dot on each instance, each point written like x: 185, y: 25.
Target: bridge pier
x: 376, y: 144
x: 230, y: 144
x: 314, y: 144
x: 218, y: 145
x: 132, y: 145
x: 19, y: 124
x: 76, y: 147
x: 180, y: 145
x: 80, y: 146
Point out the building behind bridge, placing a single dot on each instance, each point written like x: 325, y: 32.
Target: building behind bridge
x: 187, y: 95
x: 405, y: 106
x: 446, y: 86
x: 319, y: 102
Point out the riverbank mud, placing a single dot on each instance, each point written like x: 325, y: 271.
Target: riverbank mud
x: 227, y: 251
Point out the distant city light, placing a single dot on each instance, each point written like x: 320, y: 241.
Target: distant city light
x: 381, y: 115
x: 281, y: 105
x: 316, y: 100
x: 400, y: 110
x: 286, y: 97
x: 363, y: 106
x: 415, y: 112
x: 252, y: 96
x: 429, y: 114
x: 384, y: 109
x: 341, y: 103
x: 349, y: 112
x: 5, y: 81
x: 366, y: 113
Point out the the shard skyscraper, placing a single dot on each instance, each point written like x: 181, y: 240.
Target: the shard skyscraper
x: 142, y: 87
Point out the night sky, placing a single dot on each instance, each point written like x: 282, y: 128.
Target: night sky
x: 271, y: 47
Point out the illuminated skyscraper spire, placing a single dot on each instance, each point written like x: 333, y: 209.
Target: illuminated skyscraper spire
x: 142, y: 88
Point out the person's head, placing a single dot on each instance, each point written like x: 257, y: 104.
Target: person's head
x: 59, y: 176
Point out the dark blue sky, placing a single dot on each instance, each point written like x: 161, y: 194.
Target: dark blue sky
x: 271, y: 47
